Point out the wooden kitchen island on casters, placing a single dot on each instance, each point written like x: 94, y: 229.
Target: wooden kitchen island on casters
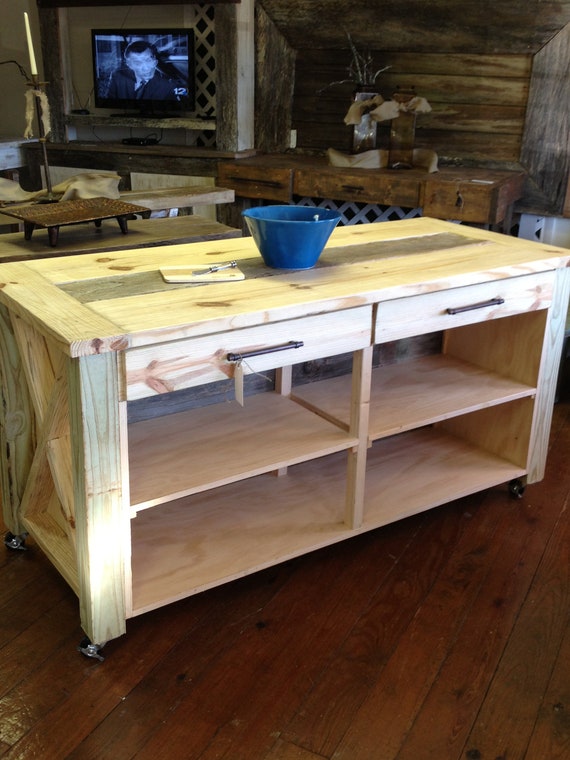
x: 138, y: 513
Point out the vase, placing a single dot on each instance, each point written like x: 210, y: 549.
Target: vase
x: 364, y: 133
x: 402, y: 133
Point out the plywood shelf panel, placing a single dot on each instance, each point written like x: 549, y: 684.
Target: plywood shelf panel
x: 191, y: 451
x: 199, y: 542
x: 416, y: 393
x: 425, y: 468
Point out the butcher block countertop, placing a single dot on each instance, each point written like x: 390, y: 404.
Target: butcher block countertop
x: 95, y: 303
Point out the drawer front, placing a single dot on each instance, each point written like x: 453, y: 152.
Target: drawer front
x: 471, y: 200
x: 270, y: 183
x: 428, y: 312
x: 188, y: 363
x: 395, y: 188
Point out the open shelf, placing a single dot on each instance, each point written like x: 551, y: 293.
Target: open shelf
x: 195, y: 543
x: 202, y: 541
x: 191, y: 451
x: 135, y: 120
x: 425, y: 468
x: 415, y: 393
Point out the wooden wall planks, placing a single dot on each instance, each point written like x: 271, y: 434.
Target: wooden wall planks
x: 478, y: 102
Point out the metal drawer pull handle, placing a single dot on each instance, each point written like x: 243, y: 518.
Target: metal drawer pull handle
x: 353, y: 188
x: 480, y: 305
x: 271, y: 350
x: 249, y: 180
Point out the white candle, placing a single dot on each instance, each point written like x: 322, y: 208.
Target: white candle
x: 33, y: 67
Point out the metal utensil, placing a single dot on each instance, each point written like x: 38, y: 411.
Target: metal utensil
x: 216, y: 268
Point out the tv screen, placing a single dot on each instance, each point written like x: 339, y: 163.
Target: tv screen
x: 150, y: 71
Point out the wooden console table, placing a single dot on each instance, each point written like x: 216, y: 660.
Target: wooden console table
x: 481, y: 196
x: 137, y: 514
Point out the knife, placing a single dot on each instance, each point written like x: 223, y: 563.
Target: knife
x: 215, y: 268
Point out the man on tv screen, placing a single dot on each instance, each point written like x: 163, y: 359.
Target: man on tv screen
x: 141, y: 77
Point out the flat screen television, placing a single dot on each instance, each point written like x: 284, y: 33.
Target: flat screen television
x: 146, y: 70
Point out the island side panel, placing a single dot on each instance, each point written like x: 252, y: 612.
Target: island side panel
x: 100, y: 473
x: 17, y: 426
x: 547, y: 377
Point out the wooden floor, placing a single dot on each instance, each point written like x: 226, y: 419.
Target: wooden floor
x: 444, y: 636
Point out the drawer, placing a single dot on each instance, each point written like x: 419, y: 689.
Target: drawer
x: 471, y: 200
x: 390, y: 188
x: 444, y: 309
x: 270, y: 183
x: 191, y: 362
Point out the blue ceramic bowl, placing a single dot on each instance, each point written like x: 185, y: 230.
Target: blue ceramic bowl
x: 290, y: 237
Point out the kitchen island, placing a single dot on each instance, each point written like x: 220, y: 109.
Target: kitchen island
x: 136, y: 514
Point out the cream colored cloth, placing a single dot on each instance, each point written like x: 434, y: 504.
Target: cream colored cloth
x: 384, y: 110
x: 359, y: 107
x: 84, y: 185
x: 379, y: 159
x: 31, y: 96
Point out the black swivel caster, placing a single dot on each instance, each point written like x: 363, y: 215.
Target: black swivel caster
x: 87, y: 648
x: 516, y: 488
x: 16, y: 542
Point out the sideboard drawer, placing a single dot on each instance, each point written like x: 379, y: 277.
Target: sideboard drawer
x: 396, y: 188
x: 441, y: 310
x: 272, y: 183
x: 187, y: 363
x: 484, y: 199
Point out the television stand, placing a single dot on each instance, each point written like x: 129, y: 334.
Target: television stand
x: 135, y: 119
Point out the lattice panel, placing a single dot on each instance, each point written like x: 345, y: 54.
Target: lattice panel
x: 205, y: 49
x: 361, y: 213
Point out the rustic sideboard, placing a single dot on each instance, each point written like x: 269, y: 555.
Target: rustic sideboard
x: 466, y: 194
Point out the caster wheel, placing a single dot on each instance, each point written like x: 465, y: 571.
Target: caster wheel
x: 87, y: 648
x: 516, y: 489
x: 15, y: 542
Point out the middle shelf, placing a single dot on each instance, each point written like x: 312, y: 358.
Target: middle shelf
x: 411, y: 394
x: 191, y: 451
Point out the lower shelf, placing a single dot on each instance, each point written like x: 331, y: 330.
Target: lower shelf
x: 201, y: 541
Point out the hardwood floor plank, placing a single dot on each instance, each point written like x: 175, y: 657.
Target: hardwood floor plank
x: 397, y: 697
x: 551, y: 735
x: 100, y: 687
x: 286, y: 751
x: 269, y: 669
x: 326, y: 714
x: 451, y: 707
x: 315, y: 643
x: 40, y: 594
x: 36, y: 645
x: 528, y: 662
x: 152, y: 703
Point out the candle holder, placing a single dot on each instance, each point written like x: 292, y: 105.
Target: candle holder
x: 39, y: 90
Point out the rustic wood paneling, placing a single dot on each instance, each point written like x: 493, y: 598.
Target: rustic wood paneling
x: 478, y: 104
x: 547, y: 134
x: 439, y: 26
x: 275, y: 75
x: 52, y: 54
